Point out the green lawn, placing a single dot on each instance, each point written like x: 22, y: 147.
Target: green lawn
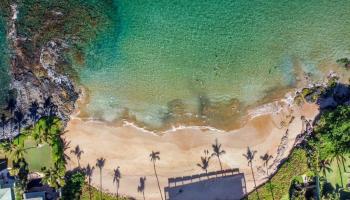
x: 334, y: 176
x: 36, y: 157
x: 296, y: 165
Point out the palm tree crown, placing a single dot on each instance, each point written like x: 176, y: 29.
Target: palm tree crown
x: 33, y: 111
x: 54, y: 177
x: 250, y: 156
x: 155, y: 156
x: 100, y: 163
x: 324, y: 166
x: 217, y: 151
x: 266, y: 158
x: 141, y: 188
x: 116, y: 175
x: 19, y: 117
x: 77, y: 152
x: 3, y: 123
x: 204, y: 161
x: 89, y: 171
x: 116, y: 178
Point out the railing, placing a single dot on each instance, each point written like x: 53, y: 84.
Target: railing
x: 172, y: 182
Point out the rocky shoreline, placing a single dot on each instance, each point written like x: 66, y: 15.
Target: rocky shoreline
x: 37, y: 88
x: 39, y: 81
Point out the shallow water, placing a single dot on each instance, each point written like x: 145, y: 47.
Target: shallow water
x: 203, y: 54
x: 159, y: 51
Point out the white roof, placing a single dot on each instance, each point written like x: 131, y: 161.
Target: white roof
x: 6, y: 194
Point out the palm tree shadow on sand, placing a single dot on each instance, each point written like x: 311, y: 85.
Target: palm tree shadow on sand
x: 250, y: 155
x: 100, y: 163
x: 142, y: 186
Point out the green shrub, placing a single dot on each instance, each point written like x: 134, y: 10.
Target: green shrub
x: 74, y: 185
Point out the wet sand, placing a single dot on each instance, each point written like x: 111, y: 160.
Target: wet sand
x: 180, y: 150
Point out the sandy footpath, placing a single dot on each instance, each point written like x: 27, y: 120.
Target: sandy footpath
x: 180, y: 150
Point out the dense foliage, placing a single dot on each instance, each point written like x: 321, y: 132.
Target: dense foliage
x: 74, y: 185
x: 296, y: 165
x: 332, y: 132
x: 46, y: 131
x: 95, y: 194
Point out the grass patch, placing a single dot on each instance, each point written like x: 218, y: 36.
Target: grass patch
x: 39, y: 157
x: 334, y: 176
x: 36, y: 156
x: 295, y: 165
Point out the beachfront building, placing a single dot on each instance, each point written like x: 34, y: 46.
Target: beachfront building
x: 225, y: 184
x: 7, y: 182
x: 34, y: 196
x: 38, y: 191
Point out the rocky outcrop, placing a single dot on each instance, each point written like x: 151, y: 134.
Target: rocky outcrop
x: 37, y: 81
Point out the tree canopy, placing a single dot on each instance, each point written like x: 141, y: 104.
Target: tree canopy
x: 333, y: 131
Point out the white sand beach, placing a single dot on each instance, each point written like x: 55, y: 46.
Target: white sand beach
x: 180, y: 150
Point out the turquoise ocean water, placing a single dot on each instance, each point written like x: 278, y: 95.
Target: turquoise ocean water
x: 158, y: 51
x: 4, y: 65
x: 149, y: 53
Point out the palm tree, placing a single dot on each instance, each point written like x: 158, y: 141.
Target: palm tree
x: 3, y: 124
x: 7, y: 146
x: 142, y: 186
x: 49, y: 107
x: 324, y: 167
x: 77, y: 152
x: 339, y: 157
x: 11, y: 106
x: 217, y: 151
x: 17, y: 152
x: 89, y: 171
x: 266, y: 158
x: 154, y: 157
x: 33, y: 111
x: 54, y: 176
x: 250, y: 157
x: 204, y: 161
x: 100, y: 163
x: 19, y: 117
x: 38, y: 135
x: 116, y: 178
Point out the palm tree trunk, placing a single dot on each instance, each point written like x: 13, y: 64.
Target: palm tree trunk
x: 257, y: 193
x: 143, y: 193
x: 155, y: 172
x: 89, y: 189
x: 117, y: 189
x: 271, y: 190
x: 100, y: 184
x: 341, y: 177
x: 342, y: 162
x: 220, y: 163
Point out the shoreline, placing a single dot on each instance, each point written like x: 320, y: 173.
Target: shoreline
x: 264, y: 106
x: 262, y: 132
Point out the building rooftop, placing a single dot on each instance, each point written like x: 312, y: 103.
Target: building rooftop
x: 6, y: 194
x: 226, y: 184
